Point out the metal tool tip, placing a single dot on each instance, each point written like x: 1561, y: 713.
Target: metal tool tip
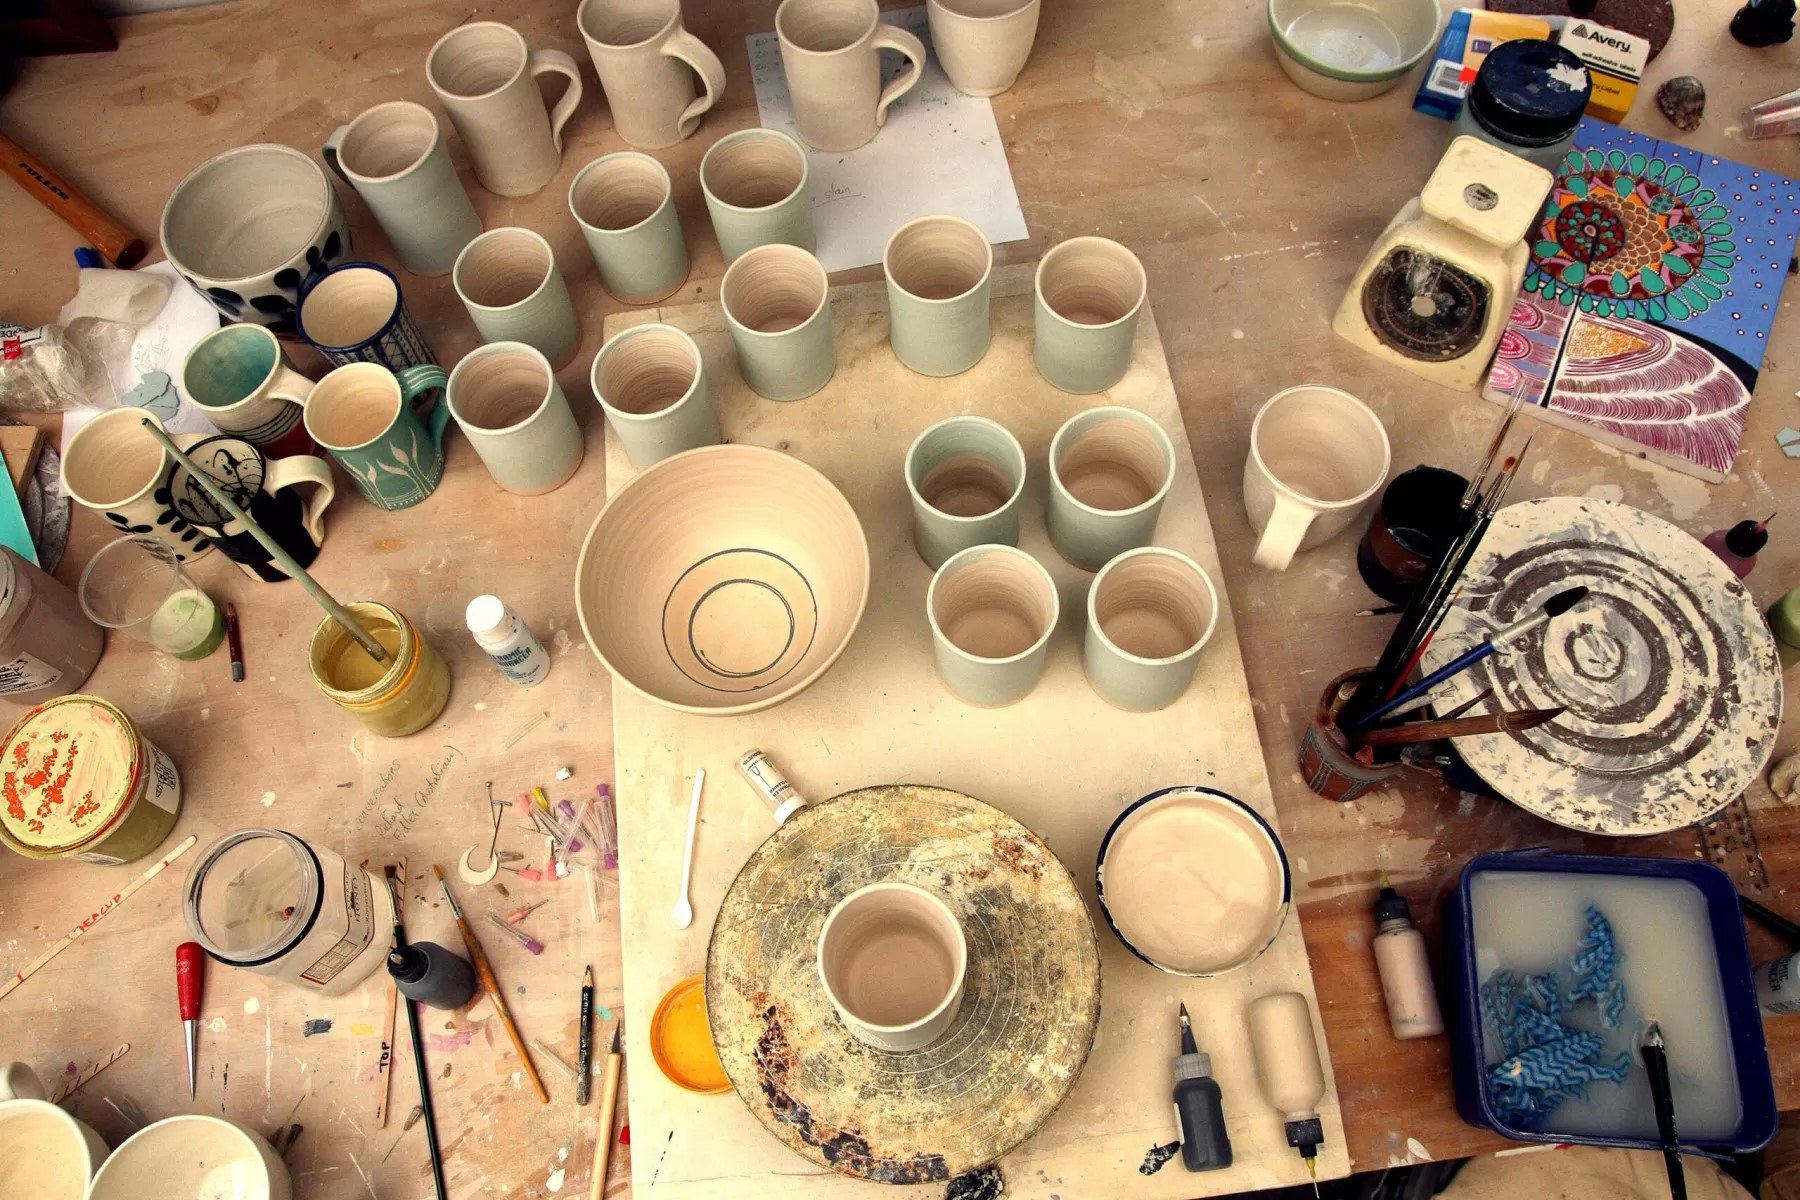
x: 1184, y: 1016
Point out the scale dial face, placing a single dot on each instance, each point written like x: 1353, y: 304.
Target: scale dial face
x: 1424, y: 307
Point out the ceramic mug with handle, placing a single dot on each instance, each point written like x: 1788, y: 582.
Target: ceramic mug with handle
x: 642, y: 55
x: 394, y: 156
x: 264, y: 486
x: 1316, y: 456
x: 240, y: 378
x: 486, y: 77
x: 831, y: 54
x: 364, y: 415
x: 116, y: 467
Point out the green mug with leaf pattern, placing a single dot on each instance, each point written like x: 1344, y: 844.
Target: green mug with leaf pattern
x: 368, y: 418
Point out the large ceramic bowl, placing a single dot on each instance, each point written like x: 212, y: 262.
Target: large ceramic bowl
x: 249, y: 228
x: 193, y: 1158
x: 1351, y: 49
x: 723, y: 580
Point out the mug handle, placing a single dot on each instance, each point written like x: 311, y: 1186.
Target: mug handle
x: 290, y: 385
x: 543, y: 62
x: 696, y: 54
x: 1280, y: 539
x: 890, y: 37
x: 330, y: 150
x: 415, y: 381
x: 304, y: 468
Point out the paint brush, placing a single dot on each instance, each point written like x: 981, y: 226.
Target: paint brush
x: 485, y: 972
x: 609, y: 1102
x: 1513, y: 404
x: 286, y: 561
x: 1770, y: 919
x: 418, y: 1045
x: 1431, y: 731
x: 1656, y: 1066
x: 1554, y: 607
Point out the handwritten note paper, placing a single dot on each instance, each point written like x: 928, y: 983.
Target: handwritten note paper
x: 939, y: 152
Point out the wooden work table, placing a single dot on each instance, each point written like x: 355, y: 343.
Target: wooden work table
x: 1163, y: 123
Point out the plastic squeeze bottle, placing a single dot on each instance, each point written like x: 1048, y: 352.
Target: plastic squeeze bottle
x: 432, y: 975
x: 1738, y: 546
x: 507, y: 640
x: 1405, y: 971
x: 1199, y: 1107
x: 1287, y: 1067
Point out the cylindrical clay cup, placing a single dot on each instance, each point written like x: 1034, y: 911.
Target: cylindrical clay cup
x: 892, y: 959
x: 966, y: 477
x: 1110, y: 470
x: 650, y: 381
x: 625, y: 206
x: 1317, y: 455
x: 486, y: 78
x: 507, y: 401
x: 1149, y: 613
x: 116, y: 467
x: 394, y: 156
x: 938, y: 272
x: 755, y: 183
x: 508, y: 280
x: 1089, y: 291
x: 992, y: 610
x: 778, y: 302
x: 983, y: 44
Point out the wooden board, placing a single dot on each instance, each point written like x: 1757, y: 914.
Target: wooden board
x: 21, y: 445
x: 1030, y: 1005
x: 1061, y: 761
x: 1666, y: 668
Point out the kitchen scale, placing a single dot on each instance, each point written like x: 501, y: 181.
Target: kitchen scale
x: 1435, y: 292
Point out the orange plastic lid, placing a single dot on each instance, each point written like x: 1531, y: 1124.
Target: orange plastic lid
x: 681, y: 1040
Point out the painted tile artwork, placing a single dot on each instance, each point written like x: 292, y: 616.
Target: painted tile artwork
x: 1655, y: 276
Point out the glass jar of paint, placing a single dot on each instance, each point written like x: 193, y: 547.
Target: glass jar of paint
x: 82, y: 782
x: 265, y: 901
x: 48, y: 646
x: 394, y: 698
x: 1527, y: 99
x: 1784, y: 621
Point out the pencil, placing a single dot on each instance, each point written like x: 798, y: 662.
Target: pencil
x: 584, y: 1082
x: 235, y: 640
x: 485, y: 972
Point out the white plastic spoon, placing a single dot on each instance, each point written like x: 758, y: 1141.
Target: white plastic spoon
x: 683, y: 916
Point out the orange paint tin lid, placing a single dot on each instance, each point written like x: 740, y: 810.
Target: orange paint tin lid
x: 681, y: 1040
x: 69, y: 772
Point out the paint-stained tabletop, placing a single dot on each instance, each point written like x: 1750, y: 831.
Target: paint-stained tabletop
x: 1164, y: 123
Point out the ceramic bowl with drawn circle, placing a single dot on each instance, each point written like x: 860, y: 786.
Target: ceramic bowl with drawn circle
x: 723, y: 580
x: 1193, y: 881
x: 193, y: 1158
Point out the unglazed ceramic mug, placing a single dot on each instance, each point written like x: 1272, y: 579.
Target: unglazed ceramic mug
x: 1149, y: 613
x: 966, y: 477
x: 1110, y: 470
x: 486, y: 77
x: 1089, y: 291
x: 831, y: 54
x: 508, y: 280
x: 249, y: 227
x: 49, y: 1154
x: 625, y: 206
x: 239, y: 377
x: 650, y: 381
x: 755, y: 183
x: 893, y: 959
x: 355, y: 313
x: 263, y: 486
x: 364, y: 415
x: 642, y: 55
x: 777, y: 301
x: 507, y: 401
x: 1316, y: 456
x: 982, y: 44
x: 19, y: 1082
x: 394, y: 156
x: 992, y: 610
x: 938, y: 271
x: 116, y: 467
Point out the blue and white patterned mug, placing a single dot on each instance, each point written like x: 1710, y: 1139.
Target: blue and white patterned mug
x: 354, y: 313
x: 366, y: 417
x: 116, y: 467
x: 250, y: 227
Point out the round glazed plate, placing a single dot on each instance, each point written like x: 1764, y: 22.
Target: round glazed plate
x: 1668, y: 671
x: 723, y: 580
x: 1031, y: 996
x: 1193, y: 881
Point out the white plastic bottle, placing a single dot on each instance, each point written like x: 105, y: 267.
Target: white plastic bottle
x: 507, y: 640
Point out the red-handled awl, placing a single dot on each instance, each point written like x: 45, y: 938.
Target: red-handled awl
x: 190, y: 962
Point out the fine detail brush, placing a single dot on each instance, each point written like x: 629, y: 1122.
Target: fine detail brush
x: 485, y: 972
x: 1656, y: 1066
x: 1431, y: 731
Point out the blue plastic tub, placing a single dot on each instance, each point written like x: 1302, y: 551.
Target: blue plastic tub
x: 1743, y: 1019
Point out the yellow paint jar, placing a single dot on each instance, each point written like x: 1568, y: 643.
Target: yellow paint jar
x: 394, y: 698
x: 77, y: 780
